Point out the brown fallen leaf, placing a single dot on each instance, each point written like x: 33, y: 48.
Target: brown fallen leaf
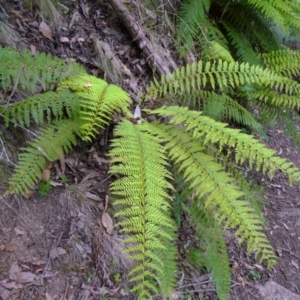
x: 26, y: 277
x: 92, y: 196
x: 45, y: 175
x: 107, y: 222
x: 10, y: 246
x: 11, y: 285
x: 45, y: 30
x: 56, y: 252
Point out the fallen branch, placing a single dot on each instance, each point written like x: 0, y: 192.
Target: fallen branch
x: 159, y: 65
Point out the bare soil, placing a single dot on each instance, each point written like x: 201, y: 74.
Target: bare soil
x: 56, y: 247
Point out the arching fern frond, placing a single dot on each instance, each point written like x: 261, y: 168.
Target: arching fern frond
x: 285, y: 62
x: 142, y: 194
x: 22, y: 69
x: 220, y: 107
x: 54, y: 140
x: 219, y: 74
x: 100, y: 101
x: 215, y: 187
x: 41, y: 107
x: 246, y: 147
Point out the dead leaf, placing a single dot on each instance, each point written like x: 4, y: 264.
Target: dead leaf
x: 56, y: 252
x: 48, y: 296
x: 19, y: 231
x: 62, y: 163
x: 54, y: 183
x: 10, y: 246
x: 28, y: 194
x: 25, y: 277
x: 32, y: 50
x: 14, y: 271
x: 106, y: 203
x: 11, y: 285
x: 45, y: 175
x: 2, y: 247
x: 45, y: 30
x: 89, y: 176
x: 107, y: 222
x: 92, y: 196
x: 100, y: 160
x: 64, y: 39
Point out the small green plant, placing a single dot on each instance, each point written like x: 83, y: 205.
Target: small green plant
x: 45, y: 187
x: 64, y: 179
x: 204, y: 154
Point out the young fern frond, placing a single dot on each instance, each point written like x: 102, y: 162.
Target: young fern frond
x: 54, y: 141
x: 215, y: 187
x: 246, y: 147
x: 219, y: 74
x: 24, y: 70
x: 41, y: 107
x: 99, y: 101
x: 142, y: 194
x: 285, y: 62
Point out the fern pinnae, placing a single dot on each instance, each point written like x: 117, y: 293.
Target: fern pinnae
x: 99, y: 102
x: 26, y: 71
x: 145, y: 163
x: 219, y: 73
x: 209, y: 180
x: 246, y: 147
x: 54, y: 140
x: 41, y: 107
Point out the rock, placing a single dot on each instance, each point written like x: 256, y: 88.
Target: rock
x: 273, y: 291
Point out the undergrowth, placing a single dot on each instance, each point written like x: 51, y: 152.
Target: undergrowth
x: 204, y: 152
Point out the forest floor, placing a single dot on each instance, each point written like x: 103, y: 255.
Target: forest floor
x: 56, y: 246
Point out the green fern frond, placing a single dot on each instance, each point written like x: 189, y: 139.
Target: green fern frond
x: 285, y: 62
x: 270, y: 96
x: 220, y: 107
x: 279, y: 11
x: 54, y: 140
x: 214, y: 256
x: 240, y: 42
x: 99, y: 102
x: 22, y: 69
x: 142, y: 194
x: 194, y: 26
x: 41, y: 107
x: 216, y: 187
x: 219, y: 74
x: 246, y: 147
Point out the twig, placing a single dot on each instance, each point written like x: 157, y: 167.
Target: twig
x: 159, y: 66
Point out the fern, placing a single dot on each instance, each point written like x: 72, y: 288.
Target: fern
x: 221, y: 74
x: 99, y: 102
x: 24, y: 70
x: 54, y: 140
x: 41, y: 106
x: 144, y: 191
x: 285, y: 62
x: 214, y: 256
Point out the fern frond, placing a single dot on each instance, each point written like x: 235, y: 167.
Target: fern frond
x: 279, y: 11
x: 195, y: 26
x: 41, y: 107
x: 220, y: 74
x: 54, y: 140
x: 22, y: 69
x: 99, y: 102
x: 214, y: 256
x: 142, y: 194
x: 220, y: 107
x: 246, y: 147
x: 212, y: 184
x: 285, y: 62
